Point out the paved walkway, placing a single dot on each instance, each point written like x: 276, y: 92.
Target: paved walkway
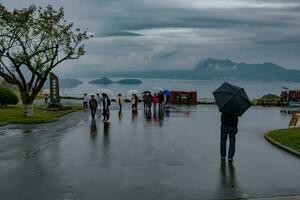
x: 134, y: 158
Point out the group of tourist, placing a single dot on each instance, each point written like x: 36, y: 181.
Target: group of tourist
x: 97, y: 104
x: 100, y: 103
x: 149, y: 100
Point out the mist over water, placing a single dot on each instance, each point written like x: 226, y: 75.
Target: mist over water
x: 254, y: 89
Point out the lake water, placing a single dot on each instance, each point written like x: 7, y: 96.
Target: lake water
x: 254, y: 89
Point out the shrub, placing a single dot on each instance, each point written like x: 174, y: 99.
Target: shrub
x: 7, y: 97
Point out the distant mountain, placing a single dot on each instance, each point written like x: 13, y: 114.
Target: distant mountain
x: 102, y: 81
x: 212, y: 69
x: 226, y: 69
x: 65, y: 83
x: 107, y: 81
x: 130, y: 81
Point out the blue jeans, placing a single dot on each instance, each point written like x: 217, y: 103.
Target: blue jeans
x: 226, y: 131
x: 93, y: 112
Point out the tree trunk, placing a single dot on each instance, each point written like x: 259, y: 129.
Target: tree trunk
x: 28, y: 110
x: 27, y: 104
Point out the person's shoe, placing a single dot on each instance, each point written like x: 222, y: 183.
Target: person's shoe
x: 222, y: 159
x: 230, y: 160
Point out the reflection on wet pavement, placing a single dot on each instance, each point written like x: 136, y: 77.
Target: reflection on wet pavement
x: 157, y: 155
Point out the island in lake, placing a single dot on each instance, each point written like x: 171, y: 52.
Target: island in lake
x: 130, y: 81
x: 106, y: 81
x: 102, y: 81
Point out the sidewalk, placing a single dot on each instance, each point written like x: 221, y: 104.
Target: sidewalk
x: 135, y: 158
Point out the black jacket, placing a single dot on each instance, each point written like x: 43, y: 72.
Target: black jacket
x: 229, y: 119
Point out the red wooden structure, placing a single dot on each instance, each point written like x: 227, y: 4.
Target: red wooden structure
x: 184, y: 97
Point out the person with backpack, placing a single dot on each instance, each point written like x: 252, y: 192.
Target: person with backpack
x: 93, y: 105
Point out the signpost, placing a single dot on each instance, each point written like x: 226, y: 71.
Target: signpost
x: 294, y: 120
x: 54, y: 90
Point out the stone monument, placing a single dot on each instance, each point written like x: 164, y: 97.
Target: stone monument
x: 54, y: 92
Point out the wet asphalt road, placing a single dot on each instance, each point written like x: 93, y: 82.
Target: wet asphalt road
x: 135, y: 158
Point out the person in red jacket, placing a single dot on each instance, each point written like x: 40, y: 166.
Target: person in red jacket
x: 154, y: 101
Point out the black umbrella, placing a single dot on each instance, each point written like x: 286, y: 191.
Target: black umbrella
x: 146, y: 92
x: 232, y: 99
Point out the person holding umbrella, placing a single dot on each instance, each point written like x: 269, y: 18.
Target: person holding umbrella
x: 167, y: 94
x: 154, y: 101
x: 120, y: 101
x: 229, y: 128
x: 232, y: 102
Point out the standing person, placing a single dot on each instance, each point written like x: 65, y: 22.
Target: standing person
x: 136, y: 102
x: 167, y: 100
x: 99, y: 102
x: 85, y: 101
x: 160, y: 101
x: 120, y: 101
x: 133, y: 102
x: 229, y: 128
x: 93, y: 106
x: 145, y: 102
x: 149, y: 101
x: 154, y: 101
x: 106, y: 104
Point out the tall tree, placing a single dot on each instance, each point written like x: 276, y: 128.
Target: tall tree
x: 33, y: 41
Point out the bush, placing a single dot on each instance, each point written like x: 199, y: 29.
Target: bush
x: 7, y: 97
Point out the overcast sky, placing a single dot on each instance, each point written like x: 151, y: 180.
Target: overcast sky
x: 175, y: 34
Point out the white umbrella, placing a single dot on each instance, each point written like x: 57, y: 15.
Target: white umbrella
x: 109, y: 93
x: 131, y: 92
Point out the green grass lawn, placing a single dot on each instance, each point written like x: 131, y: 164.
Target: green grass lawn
x: 14, y: 114
x: 287, y: 137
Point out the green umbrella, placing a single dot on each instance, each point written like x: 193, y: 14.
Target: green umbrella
x: 232, y: 99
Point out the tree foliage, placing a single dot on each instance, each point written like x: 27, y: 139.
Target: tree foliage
x: 34, y: 41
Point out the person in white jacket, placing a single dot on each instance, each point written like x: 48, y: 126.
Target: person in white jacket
x: 86, y: 100
x: 133, y: 103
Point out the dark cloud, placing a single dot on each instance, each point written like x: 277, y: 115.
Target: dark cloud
x: 178, y: 33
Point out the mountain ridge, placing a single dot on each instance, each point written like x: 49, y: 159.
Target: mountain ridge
x: 220, y: 69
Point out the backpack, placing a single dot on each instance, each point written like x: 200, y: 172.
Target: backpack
x: 93, y: 104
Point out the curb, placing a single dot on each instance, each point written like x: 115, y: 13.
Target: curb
x: 285, y: 148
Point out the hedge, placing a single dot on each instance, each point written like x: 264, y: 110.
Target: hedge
x: 7, y: 97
